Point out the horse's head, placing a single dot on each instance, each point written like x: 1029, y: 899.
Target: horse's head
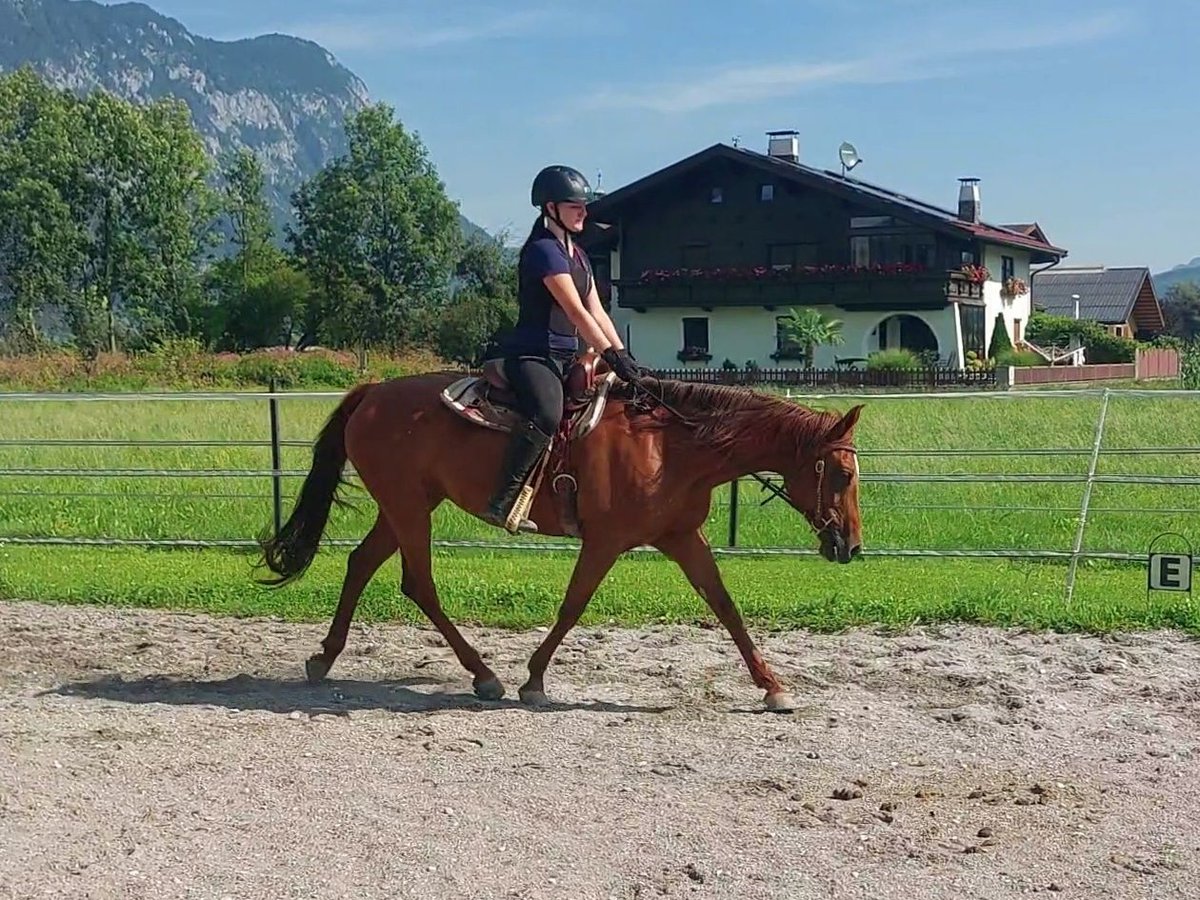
x: 824, y: 487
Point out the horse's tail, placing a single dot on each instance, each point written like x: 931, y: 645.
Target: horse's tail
x: 290, y: 552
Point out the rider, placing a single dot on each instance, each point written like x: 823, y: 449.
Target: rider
x: 557, y: 300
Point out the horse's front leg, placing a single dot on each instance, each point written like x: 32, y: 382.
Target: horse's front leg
x: 593, y: 564
x: 692, y: 553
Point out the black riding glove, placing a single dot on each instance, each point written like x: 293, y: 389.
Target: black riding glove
x: 638, y: 367
x: 622, y: 364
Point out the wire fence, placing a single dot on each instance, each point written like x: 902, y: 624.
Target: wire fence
x: 1049, y: 475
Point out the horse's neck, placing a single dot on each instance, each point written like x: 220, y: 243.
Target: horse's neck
x: 761, y: 447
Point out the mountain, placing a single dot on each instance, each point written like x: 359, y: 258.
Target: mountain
x: 282, y: 97
x: 1177, y: 274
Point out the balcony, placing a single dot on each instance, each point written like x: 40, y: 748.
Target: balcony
x: 880, y: 288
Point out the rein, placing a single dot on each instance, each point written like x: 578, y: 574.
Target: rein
x: 828, y: 519
x: 641, y: 385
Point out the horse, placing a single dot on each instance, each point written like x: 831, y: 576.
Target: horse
x: 631, y: 466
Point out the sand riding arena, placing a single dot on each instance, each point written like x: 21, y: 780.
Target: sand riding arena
x: 150, y: 754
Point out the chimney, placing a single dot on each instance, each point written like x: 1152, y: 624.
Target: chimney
x: 784, y: 145
x: 968, y: 199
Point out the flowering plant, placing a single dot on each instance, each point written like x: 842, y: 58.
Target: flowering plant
x: 976, y: 274
x: 1014, y: 287
x: 771, y: 273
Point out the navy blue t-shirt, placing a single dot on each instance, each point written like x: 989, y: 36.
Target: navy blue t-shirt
x: 543, y: 327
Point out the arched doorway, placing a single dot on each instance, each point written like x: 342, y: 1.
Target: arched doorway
x: 910, y: 332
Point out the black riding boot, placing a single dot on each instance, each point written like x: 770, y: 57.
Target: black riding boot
x: 524, y: 448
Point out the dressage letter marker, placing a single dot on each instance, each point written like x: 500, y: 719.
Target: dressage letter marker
x: 1170, y: 572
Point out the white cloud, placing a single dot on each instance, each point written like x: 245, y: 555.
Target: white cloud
x: 932, y: 53
x: 384, y: 32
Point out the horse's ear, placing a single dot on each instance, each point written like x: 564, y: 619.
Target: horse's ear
x: 846, y: 424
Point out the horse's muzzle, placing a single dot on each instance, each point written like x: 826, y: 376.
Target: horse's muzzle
x: 835, y: 548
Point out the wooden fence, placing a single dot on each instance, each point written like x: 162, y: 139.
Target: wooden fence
x: 933, y: 377
x: 1160, y: 362
x: 1155, y: 363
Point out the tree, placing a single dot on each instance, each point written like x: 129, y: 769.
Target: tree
x: 269, y: 310
x: 1001, y: 343
x: 468, y: 324
x: 376, y: 233
x: 147, y: 213
x: 259, y: 294
x: 1181, y: 310
x: 809, y: 329
x: 40, y: 239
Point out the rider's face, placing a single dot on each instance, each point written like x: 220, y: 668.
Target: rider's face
x: 572, y: 215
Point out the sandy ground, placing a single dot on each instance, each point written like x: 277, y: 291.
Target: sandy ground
x: 159, y: 755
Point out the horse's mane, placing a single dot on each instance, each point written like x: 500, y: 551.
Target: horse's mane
x: 722, y: 415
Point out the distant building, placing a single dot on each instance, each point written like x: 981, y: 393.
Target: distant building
x: 1121, y: 298
x: 702, y: 259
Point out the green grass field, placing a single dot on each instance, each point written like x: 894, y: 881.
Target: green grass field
x: 897, y: 437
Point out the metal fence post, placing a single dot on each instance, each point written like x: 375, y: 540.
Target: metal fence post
x: 733, y: 512
x: 1087, y: 496
x: 276, y: 466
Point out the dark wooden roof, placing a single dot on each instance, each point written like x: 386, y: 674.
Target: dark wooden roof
x: 608, y: 207
x: 1106, y: 295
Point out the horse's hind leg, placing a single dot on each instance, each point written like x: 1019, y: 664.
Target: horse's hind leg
x: 364, y: 562
x: 417, y: 584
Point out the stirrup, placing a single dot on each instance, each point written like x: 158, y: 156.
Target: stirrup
x: 514, y: 522
x: 518, y: 517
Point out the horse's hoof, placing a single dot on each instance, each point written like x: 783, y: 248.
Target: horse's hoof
x: 316, y: 669
x: 534, y: 698
x: 491, y: 689
x: 780, y: 702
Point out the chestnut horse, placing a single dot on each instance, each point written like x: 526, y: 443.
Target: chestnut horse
x: 644, y: 475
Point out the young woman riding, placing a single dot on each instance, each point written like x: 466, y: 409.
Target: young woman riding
x: 558, y: 303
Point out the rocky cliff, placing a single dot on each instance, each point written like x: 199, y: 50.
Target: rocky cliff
x: 283, y: 97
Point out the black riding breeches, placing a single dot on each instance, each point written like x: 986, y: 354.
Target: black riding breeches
x: 538, y: 384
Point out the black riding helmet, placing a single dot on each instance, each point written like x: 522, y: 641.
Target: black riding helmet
x: 560, y: 184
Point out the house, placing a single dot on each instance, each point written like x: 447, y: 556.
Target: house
x: 700, y: 260
x: 1121, y: 298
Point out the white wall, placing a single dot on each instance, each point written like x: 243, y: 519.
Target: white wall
x: 1016, y: 308
x: 748, y: 333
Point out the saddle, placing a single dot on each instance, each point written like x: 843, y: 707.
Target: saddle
x: 488, y: 400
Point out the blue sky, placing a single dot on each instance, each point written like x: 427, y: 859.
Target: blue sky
x: 1081, y: 115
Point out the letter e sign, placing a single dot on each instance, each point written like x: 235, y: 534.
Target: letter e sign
x: 1170, y: 572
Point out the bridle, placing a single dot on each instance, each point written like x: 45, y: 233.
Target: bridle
x: 829, y: 519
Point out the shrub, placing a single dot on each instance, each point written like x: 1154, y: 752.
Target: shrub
x: 180, y: 366
x: 890, y: 360
x: 1020, y: 358
x: 1099, y: 346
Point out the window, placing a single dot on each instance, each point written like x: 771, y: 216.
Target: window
x: 715, y: 196
x: 791, y: 254
x: 860, y: 251
x: 695, y: 333
x: 766, y: 192
x: 1008, y: 268
x: 972, y: 329
x: 883, y: 249
x: 871, y: 221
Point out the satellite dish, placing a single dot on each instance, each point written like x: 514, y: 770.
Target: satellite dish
x: 849, y: 156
